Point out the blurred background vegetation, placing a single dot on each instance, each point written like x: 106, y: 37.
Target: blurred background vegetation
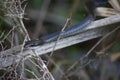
x: 43, y: 17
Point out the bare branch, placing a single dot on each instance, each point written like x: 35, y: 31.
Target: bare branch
x: 95, y: 29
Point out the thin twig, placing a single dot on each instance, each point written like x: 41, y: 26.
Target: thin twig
x: 67, y: 23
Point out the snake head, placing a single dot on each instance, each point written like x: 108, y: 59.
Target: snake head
x: 33, y: 43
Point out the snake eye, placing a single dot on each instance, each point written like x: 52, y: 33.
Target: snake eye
x: 32, y: 43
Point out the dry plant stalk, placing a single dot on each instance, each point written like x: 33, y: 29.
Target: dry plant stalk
x: 14, y: 10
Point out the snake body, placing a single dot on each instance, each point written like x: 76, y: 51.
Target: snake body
x: 72, y: 30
